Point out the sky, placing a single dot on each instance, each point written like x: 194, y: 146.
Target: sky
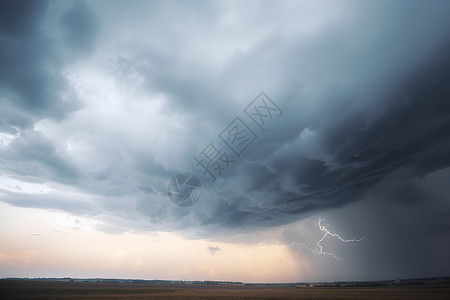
x: 316, y: 133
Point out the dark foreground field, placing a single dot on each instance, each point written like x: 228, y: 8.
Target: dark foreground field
x: 24, y: 289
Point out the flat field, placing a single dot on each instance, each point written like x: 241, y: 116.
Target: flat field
x: 25, y: 289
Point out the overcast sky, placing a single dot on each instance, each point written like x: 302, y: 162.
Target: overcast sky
x: 103, y: 102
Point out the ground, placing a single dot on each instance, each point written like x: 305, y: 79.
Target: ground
x: 25, y: 289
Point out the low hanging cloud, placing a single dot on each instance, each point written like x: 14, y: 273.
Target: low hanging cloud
x: 214, y: 250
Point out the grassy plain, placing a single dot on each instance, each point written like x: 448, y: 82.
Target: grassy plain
x: 24, y: 289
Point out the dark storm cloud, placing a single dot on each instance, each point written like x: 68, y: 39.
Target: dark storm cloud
x: 364, y: 96
x: 81, y: 27
x: 31, y: 81
x: 412, y: 135
x: 375, y: 107
x: 21, y: 18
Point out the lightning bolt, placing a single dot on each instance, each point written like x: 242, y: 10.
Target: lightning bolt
x: 318, y: 250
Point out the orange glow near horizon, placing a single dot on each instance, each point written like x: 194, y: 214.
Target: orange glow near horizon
x: 40, y: 243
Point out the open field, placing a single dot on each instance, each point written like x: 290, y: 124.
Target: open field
x: 24, y: 289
